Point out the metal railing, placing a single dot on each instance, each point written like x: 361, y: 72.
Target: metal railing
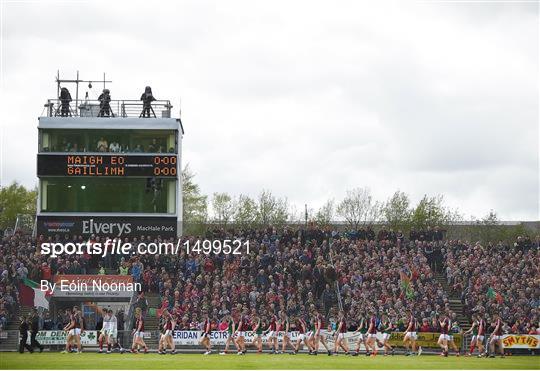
x: 114, y: 108
x: 131, y: 311
x: 338, y: 292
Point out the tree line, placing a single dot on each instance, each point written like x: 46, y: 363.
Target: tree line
x: 357, y: 209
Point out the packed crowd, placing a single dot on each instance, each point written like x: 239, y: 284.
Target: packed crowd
x: 295, y: 271
x: 497, y: 279
x: 17, y: 262
x: 386, y: 278
x: 285, y: 271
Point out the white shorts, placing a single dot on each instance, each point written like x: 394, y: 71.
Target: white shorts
x: 112, y: 333
x: 385, y: 336
x: 450, y: 337
x: 75, y: 331
x: 340, y: 336
x: 496, y: 337
x: 411, y: 335
x: 272, y: 334
x: 168, y: 333
x: 371, y: 336
x: 301, y: 337
x: 287, y: 334
x: 444, y: 337
x: 138, y: 334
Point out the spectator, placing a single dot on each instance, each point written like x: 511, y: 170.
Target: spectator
x: 102, y: 145
x: 496, y: 280
x: 115, y: 147
x: 292, y: 271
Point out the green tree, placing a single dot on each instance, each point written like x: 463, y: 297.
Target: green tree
x: 16, y: 199
x: 431, y: 211
x: 356, y: 207
x: 271, y: 209
x: 223, y: 206
x: 325, y: 214
x: 397, y: 211
x: 280, y: 216
x: 246, y: 212
x: 195, y: 208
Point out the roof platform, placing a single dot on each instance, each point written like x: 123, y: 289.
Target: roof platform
x: 110, y: 123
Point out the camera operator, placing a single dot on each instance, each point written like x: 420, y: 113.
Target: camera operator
x: 65, y: 99
x: 147, y: 99
x: 105, y: 104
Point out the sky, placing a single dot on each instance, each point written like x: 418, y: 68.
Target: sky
x: 306, y: 99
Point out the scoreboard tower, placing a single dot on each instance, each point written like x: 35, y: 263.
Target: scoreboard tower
x: 116, y: 174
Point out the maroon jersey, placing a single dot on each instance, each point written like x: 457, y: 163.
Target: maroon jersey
x: 498, y: 327
x: 273, y: 324
x: 168, y: 323
x: 481, y: 327
x: 301, y: 326
x: 412, y: 324
x: 343, y: 326
x: 255, y: 325
x: 76, y: 320
x: 72, y: 320
x: 445, y: 326
x: 279, y: 325
x: 245, y: 324
x: 139, y: 324
x: 372, y: 329
x: 206, y: 326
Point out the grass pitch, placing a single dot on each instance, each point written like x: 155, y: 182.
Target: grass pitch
x: 52, y: 361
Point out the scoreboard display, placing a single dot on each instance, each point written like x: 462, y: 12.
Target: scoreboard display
x: 107, y: 165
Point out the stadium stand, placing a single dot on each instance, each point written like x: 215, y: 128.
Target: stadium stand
x: 296, y: 270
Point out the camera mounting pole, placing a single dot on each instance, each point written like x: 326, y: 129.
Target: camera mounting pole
x: 76, y: 82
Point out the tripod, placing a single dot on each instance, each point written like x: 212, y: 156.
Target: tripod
x: 106, y: 110
x: 147, y: 107
x: 64, y: 110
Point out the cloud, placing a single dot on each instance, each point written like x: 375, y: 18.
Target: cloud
x: 305, y: 99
